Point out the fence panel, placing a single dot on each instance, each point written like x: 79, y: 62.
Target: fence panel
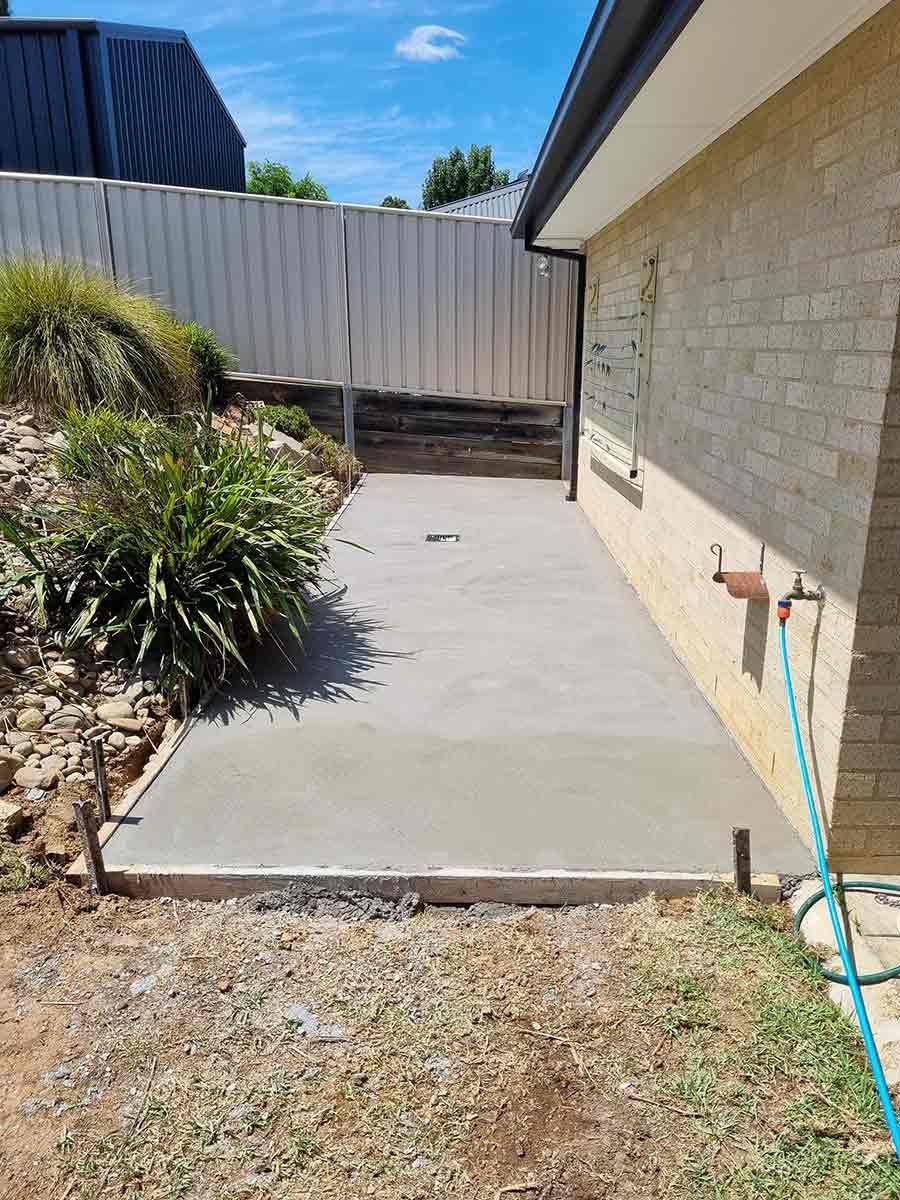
x: 56, y: 218
x: 438, y: 304
x: 452, y: 306
x: 263, y: 273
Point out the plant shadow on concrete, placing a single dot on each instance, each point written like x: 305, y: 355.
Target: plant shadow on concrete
x: 339, y: 661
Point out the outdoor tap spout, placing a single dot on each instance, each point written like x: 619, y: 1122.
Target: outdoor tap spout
x: 798, y: 592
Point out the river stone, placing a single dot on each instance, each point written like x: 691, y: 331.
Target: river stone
x: 29, y: 442
x: 66, y: 721
x: 30, y: 719
x: 114, y: 708
x: 18, y: 659
x: 10, y: 465
x: 116, y: 740
x: 66, y: 671
x: 52, y: 704
x: 53, y: 762
x: 126, y: 724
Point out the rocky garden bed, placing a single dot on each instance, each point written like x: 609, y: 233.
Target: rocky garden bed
x: 54, y: 702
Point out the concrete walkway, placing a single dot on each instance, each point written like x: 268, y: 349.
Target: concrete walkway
x: 499, y: 702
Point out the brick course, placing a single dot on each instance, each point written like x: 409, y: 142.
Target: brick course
x: 773, y: 415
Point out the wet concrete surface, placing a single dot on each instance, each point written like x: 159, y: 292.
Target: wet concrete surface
x: 499, y: 701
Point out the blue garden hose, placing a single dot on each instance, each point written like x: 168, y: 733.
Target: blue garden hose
x: 881, y: 1084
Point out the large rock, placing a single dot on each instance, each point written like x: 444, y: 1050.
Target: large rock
x: 30, y: 719
x: 36, y: 777
x: 11, y: 817
x: 114, y: 708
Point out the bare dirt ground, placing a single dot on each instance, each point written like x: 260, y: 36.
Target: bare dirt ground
x: 153, y: 1049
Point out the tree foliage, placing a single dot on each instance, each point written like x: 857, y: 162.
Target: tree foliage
x: 275, y: 179
x: 456, y: 175
x: 394, y: 202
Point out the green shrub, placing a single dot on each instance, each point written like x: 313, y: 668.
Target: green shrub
x: 94, y: 435
x: 189, y: 555
x: 289, y: 418
x: 69, y: 336
x: 211, y: 359
x: 333, y: 455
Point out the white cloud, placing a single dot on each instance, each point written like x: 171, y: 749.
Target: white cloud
x: 430, y: 43
x: 224, y: 76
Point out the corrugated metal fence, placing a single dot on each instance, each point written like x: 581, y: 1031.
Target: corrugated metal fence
x: 363, y: 298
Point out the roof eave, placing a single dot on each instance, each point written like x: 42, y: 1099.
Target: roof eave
x: 617, y: 57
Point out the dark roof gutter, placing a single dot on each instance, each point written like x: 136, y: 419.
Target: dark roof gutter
x: 625, y: 42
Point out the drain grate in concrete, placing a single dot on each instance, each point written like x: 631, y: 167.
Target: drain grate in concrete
x: 441, y: 537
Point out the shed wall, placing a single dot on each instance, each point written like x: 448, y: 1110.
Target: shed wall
x: 104, y: 100
x: 46, y: 124
x: 171, y: 125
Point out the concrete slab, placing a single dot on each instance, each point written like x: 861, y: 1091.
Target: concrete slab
x: 503, y: 701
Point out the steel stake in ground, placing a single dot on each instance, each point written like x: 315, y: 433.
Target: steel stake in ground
x: 99, y: 759
x: 741, y: 840
x: 93, y: 855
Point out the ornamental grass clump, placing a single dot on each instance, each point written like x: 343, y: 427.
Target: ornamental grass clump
x: 74, y: 337
x: 191, y: 554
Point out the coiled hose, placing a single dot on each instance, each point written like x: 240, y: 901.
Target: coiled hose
x: 851, y: 978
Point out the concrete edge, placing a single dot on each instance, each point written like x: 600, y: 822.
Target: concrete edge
x: 452, y: 885
x: 75, y: 872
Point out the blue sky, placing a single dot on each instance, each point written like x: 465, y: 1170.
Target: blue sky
x: 364, y: 93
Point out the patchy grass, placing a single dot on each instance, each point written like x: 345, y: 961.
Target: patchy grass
x: 18, y: 874
x: 649, y: 1051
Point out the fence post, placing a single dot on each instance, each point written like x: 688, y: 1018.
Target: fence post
x: 103, y: 228
x: 347, y: 347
